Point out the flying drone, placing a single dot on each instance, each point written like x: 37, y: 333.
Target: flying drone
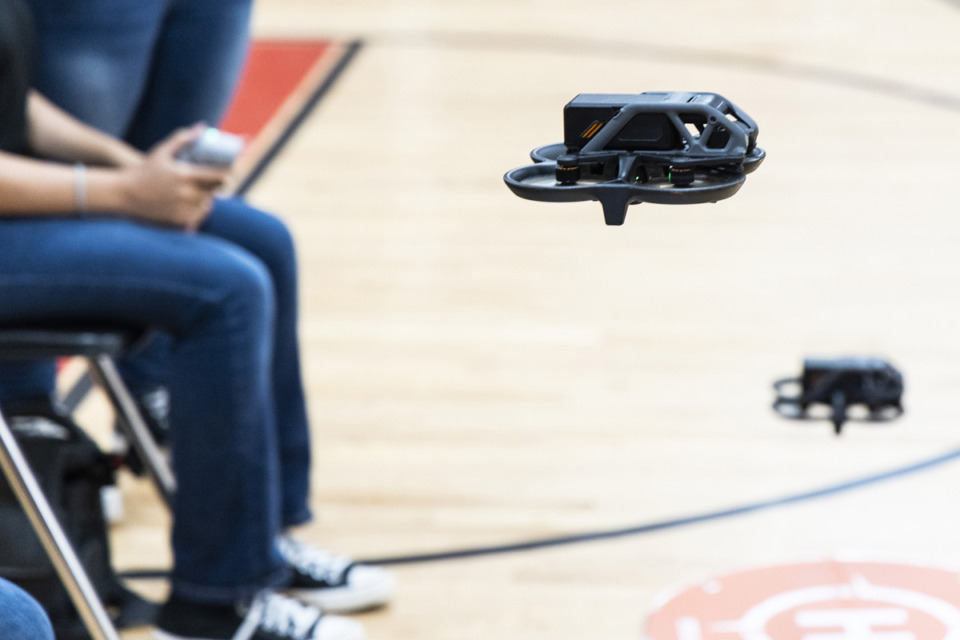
x: 659, y: 147
x: 839, y: 383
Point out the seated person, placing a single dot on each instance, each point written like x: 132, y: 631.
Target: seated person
x: 142, y: 239
x: 129, y: 69
x: 21, y: 617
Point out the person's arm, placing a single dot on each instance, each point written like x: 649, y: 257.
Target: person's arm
x: 159, y: 189
x: 53, y: 133
x: 29, y: 186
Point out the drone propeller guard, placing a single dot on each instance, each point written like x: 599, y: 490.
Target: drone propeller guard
x: 663, y: 148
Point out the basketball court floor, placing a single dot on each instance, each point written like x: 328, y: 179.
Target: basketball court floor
x: 547, y: 425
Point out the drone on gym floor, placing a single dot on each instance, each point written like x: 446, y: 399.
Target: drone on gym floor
x: 659, y: 147
x: 837, y: 384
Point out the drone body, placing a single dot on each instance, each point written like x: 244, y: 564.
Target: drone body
x: 660, y: 147
x: 839, y: 383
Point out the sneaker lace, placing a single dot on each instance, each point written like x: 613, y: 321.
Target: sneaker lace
x: 287, y: 618
x: 157, y: 404
x: 319, y: 564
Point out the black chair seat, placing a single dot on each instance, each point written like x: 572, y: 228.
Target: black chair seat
x: 46, y: 339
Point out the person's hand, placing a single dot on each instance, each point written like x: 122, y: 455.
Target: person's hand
x: 167, y: 191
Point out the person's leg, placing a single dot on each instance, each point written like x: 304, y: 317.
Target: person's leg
x: 217, y: 302
x: 25, y: 382
x: 141, y: 69
x: 94, y: 56
x: 92, y: 61
x: 196, y: 63
x: 21, y: 617
x: 333, y: 583
x: 270, y: 241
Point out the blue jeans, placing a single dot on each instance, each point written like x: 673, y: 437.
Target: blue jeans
x: 227, y: 296
x: 140, y: 68
x: 21, y: 618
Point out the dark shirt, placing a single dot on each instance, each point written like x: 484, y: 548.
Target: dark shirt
x: 16, y: 73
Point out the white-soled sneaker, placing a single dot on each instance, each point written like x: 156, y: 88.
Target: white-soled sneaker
x: 270, y: 616
x: 334, y: 583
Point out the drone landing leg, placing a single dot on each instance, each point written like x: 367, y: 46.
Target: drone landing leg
x: 839, y: 404
x: 615, y: 203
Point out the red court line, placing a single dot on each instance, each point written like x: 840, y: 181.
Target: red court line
x: 275, y: 71
x: 274, y: 90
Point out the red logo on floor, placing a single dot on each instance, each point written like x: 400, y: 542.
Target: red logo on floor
x: 831, y: 600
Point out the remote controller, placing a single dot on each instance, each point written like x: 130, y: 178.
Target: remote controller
x: 214, y: 148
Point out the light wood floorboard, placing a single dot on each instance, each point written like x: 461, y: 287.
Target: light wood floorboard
x: 483, y: 369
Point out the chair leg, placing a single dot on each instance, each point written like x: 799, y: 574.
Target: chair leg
x: 105, y: 374
x: 52, y: 537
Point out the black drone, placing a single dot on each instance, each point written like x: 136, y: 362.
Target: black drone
x: 837, y: 384
x: 660, y: 147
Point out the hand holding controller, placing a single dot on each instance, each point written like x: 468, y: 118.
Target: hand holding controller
x: 214, y: 148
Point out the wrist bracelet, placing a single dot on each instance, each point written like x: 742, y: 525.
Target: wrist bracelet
x: 80, y: 187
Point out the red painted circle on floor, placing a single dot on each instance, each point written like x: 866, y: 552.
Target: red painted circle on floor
x: 827, y: 600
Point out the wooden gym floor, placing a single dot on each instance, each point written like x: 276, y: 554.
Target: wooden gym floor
x: 485, y: 370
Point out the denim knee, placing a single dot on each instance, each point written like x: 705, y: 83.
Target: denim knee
x: 250, y: 285
x: 280, y: 253
x: 261, y: 234
x: 240, y: 294
x: 21, y: 617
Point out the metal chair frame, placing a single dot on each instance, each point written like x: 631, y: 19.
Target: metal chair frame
x: 99, y: 345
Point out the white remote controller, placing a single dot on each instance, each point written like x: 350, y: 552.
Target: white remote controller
x: 214, y: 148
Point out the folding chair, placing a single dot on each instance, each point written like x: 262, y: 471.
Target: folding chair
x: 99, y: 344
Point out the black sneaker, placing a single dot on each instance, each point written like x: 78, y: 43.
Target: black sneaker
x: 334, y: 583
x: 270, y: 616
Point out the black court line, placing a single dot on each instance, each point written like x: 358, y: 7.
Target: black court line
x: 75, y: 394
x: 607, y: 534
x: 264, y: 162
x: 640, y: 529
x: 565, y: 46
x: 586, y: 47
x: 678, y: 55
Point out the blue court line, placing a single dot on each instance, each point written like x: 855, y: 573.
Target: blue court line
x: 675, y: 523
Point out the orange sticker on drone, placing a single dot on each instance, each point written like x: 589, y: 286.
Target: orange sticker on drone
x: 831, y: 600
x: 592, y: 129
